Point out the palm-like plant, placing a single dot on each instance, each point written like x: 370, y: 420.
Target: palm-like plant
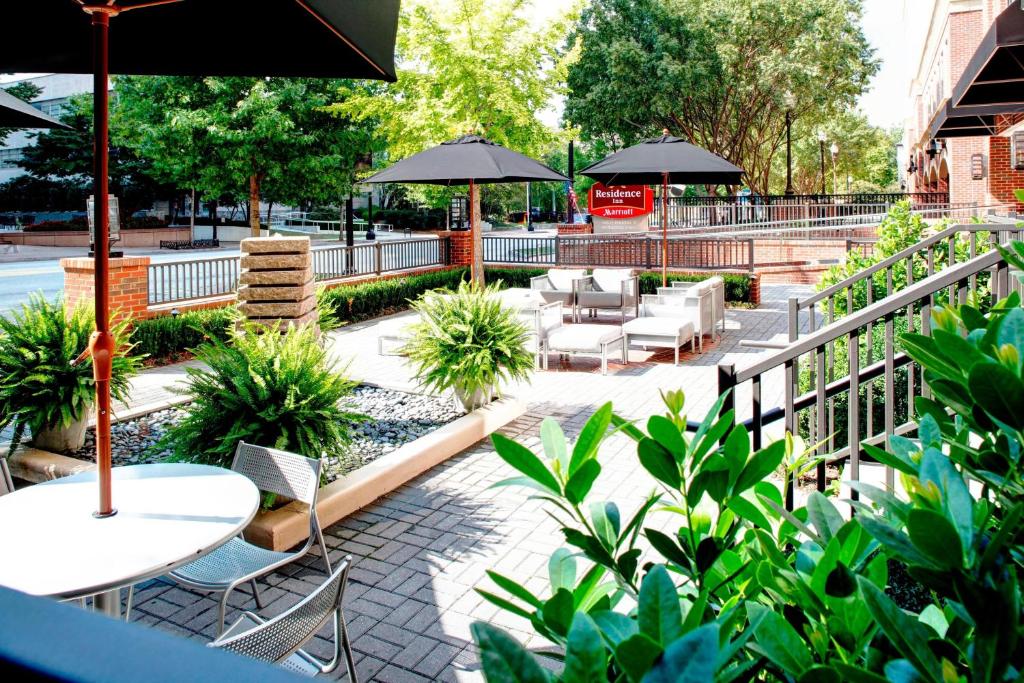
x: 276, y: 390
x: 469, y: 342
x: 39, y: 388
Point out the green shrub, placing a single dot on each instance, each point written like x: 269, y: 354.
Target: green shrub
x: 276, y: 390
x: 39, y: 388
x: 168, y: 335
x: 352, y: 303
x: 734, y: 587
x: 469, y: 342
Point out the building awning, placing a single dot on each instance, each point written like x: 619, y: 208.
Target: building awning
x: 995, y: 74
x: 965, y: 122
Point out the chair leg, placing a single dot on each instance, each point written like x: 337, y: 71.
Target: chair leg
x: 677, y: 351
x: 256, y: 594
x: 346, y: 648
x: 323, y: 548
x: 222, y: 609
x: 625, y: 351
x: 128, y: 603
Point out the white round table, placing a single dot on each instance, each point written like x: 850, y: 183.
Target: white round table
x: 167, y: 516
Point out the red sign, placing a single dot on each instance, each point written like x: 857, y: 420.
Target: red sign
x: 620, y: 201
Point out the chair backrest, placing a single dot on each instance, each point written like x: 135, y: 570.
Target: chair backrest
x: 286, y: 474
x: 6, y: 485
x: 277, y: 639
x: 610, y: 279
x: 561, y: 278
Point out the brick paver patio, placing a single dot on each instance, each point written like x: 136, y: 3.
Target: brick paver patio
x: 421, y: 550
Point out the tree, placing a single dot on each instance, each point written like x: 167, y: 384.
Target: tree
x: 24, y: 91
x: 715, y: 73
x: 247, y: 138
x: 67, y: 154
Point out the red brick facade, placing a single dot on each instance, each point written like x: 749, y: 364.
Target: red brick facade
x: 129, y: 283
x: 461, y: 245
x: 575, y: 229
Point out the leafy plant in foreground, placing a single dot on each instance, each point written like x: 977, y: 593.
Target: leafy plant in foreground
x: 39, y: 388
x: 276, y: 390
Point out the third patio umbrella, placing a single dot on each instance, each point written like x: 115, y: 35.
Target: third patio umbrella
x: 15, y: 113
x: 321, y: 38
x: 669, y: 161
x: 468, y: 160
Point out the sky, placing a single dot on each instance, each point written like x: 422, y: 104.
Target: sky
x: 885, y: 100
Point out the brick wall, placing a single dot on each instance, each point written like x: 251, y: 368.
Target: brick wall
x: 461, y: 246
x: 575, y: 229
x: 1003, y: 179
x: 129, y: 282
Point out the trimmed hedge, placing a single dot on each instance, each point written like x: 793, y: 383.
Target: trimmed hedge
x: 352, y: 303
x: 168, y: 335
x: 737, y: 286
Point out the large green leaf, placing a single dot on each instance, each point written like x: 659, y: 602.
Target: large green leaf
x: 658, y: 613
x: 562, y: 569
x: 692, y: 658
x: 668, y: 548
x: 659, y: 463
x: 558, y: 611
x: 935, y: 536
x: 822, y: 514
x: 586, y: 659
x: 664, y: 431
x: 590, y: 437
x: 553, y: 440
x: 999, y: 391
x: 615, y: 627
x: 908, y: 635
x: 927, y: 353
x: 521, y: 458
x: 514, y: 588
x: 503, y: 659
x: 777, y: 640
x: 636, y: 655
x: 580, y: 483
x: 762, y: 464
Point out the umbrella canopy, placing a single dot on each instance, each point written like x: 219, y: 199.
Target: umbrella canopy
x: 327, y: 38
x: 669, y: 161
x: 317, y: 38
x: 648, y: 162
x: 468, y: 160
x: 15, y: 113
x: 995, y: 73
x: 465, y: 160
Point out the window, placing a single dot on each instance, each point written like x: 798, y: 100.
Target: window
x: 9, y: 158
x: 52, y: 108
x: 977, y: 166
x: 1017, y: 151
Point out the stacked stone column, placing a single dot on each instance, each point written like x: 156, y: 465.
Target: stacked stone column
x: 275, y: 287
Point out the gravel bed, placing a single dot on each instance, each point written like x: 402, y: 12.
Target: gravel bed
x: 394, y: 418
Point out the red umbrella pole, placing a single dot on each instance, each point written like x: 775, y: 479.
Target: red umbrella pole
x: 101, y: 344
x: 664, y: 229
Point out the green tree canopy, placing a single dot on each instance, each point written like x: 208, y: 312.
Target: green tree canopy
x: 248, y: 138
x: 715, y: 73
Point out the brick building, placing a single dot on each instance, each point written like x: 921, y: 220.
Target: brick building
x: 967, y: 151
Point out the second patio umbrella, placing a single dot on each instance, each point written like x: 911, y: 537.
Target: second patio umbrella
x: 15, y: 113
x: 669, y: 161
x: 321, y: 38
x: 469, y: 160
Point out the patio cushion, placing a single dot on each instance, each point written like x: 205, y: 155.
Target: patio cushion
x: 665, y: 310
x: 610, y: 279
x: 561, y: 278
x: 519, y: 298
x: 551, y: 296
x: 668, y: 327
x: 582, y: 337
x: 599, y: 299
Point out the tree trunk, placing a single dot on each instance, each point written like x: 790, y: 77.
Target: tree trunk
x: 270, y: 209
x: 192, y: 215
x: 213, y: 217
x: 254, y: 204
x: 476, y: 234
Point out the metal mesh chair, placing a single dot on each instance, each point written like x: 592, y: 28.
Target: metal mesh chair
x: 279, y: 640
x: 237, y: 561
x: 6, y: 485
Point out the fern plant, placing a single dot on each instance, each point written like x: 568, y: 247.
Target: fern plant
x: 39, y: 388
x: 467, y: 341
x: 276, y: 390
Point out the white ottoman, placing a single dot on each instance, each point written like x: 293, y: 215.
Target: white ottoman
x: 660, y: 332
x: 586, y: 339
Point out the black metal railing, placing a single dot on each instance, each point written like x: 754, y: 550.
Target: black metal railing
x: 848, y: 383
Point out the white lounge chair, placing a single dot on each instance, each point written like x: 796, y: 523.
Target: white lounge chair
x: 559, y: 284
x: 616, y: 289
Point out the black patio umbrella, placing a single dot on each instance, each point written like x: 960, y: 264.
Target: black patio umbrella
x: 320, y: 38
x: 669, y: 161
x: 469, y: 160
x: 15, y: 113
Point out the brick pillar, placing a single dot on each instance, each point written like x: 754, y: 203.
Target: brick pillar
x: 276, y: 282
x: 575, y: 228
x: 461, y: 247
x: 129, y: 285
x: 755, y: 289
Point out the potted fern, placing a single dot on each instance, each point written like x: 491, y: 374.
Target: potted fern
x: 40, y: 391
x: 468, y: 342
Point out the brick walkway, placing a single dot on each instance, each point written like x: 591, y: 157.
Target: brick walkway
x: 422, y: 549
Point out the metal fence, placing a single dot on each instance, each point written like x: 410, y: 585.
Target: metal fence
x: 186, y: 280
x: 621, y: 251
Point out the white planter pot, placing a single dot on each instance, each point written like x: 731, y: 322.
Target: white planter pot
x: 477, y: 399
x: 63, y: 439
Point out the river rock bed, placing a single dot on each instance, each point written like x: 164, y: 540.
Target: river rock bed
x: 394, y: 418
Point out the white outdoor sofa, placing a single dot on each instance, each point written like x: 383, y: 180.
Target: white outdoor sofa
x: 695, y: 306
x: 717, y: 285
x: 662, y: 325
x: 608, y: 289
x: 540, y: 317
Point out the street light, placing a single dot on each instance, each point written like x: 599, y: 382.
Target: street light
x: 790, y: 101
x: 821, y: 148
x: 835, y: 156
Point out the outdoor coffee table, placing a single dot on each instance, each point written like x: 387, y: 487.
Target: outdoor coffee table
x: 167, y: 515
x: 660, y: 332
x: 586, y: 338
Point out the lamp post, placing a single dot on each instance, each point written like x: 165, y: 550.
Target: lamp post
x: 790, y: 101
x: 835, y: 157
x: 821, y: 149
